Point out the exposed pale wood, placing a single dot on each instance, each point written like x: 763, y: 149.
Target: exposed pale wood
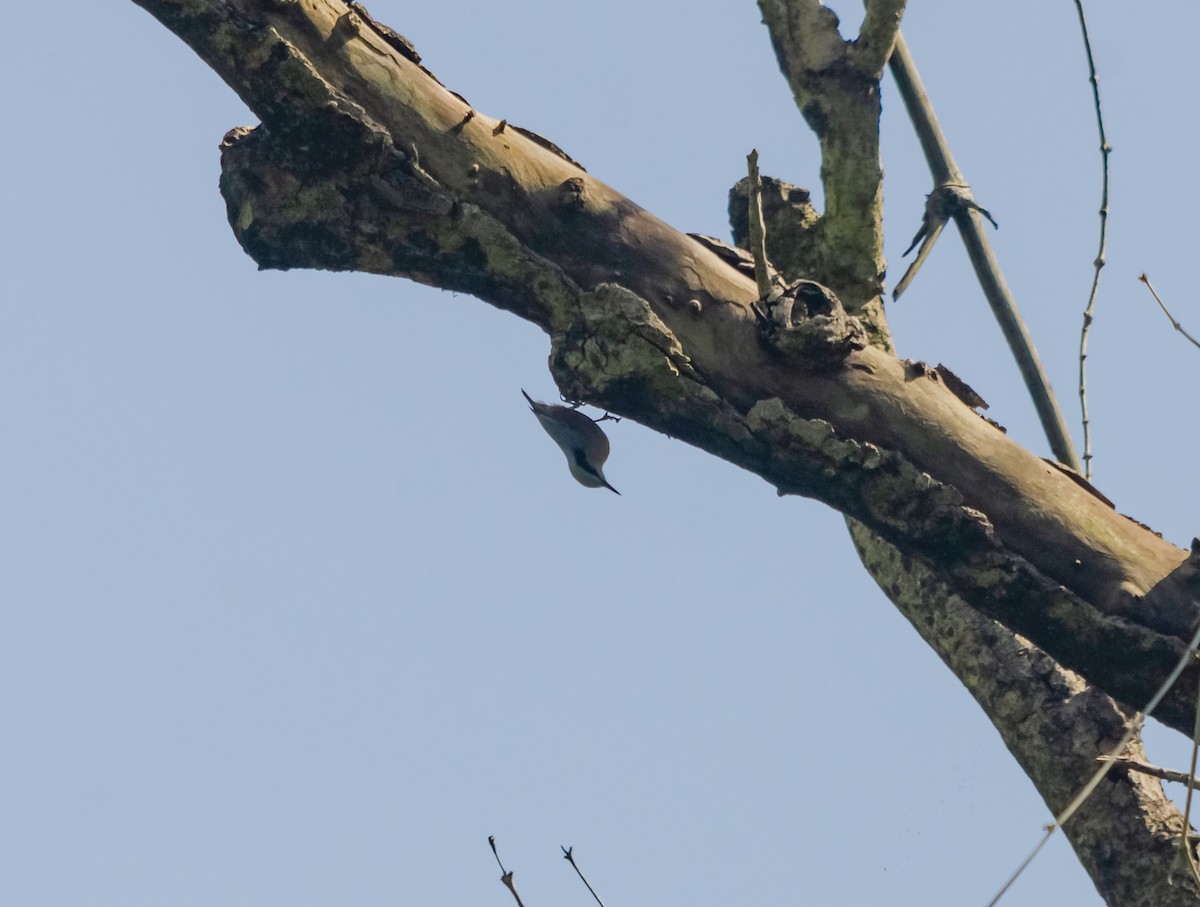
x: 649, y: 323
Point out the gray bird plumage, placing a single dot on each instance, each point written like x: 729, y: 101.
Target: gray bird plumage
x: 582, y: 441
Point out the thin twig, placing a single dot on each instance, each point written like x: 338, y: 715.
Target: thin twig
x: 1146, y: 768
x: 1106, y: 765
x: 506, y: 877
x: 932, y: 225
x: 987, y: 270
x: 1179, y: 327
x: 569, y: 856
x: 1089, y: 311
x: 758, y: 229
x: 940, y: 205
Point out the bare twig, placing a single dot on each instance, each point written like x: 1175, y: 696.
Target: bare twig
x: 1146, y: 768
x: 569, y: 856
x: 506, y: 877
x: 932, y: 224
x: 940, y: 205
x: 758, y: 230
x: 1089, y: 311
x: 1179, y: 327
x: 987, y: 270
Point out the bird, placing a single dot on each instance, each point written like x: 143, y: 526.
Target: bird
x: 582, y: 441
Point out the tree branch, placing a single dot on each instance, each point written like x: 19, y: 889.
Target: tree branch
x: 839, y: 98
x: 1055, y: 726
x: 365, y: 161
x: 979, y: 250
x: 1122, y: 841
x: 877, y: 35
x: 1049, y: 718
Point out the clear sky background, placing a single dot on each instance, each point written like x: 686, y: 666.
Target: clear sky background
x: 298, y: 603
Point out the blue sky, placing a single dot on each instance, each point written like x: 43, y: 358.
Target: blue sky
x: 300, y: 604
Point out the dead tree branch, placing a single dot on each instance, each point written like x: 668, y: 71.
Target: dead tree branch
x: 365, y: 161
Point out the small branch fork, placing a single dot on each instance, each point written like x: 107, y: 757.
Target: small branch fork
x: 943, y: 203
x: 569, y: 856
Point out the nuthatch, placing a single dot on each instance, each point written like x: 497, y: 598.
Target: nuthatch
x: 582, y: 441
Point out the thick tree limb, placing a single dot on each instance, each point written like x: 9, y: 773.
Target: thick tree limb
x: 1051, y: 720
x: 366, y: 162
x: 1055, y: 725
